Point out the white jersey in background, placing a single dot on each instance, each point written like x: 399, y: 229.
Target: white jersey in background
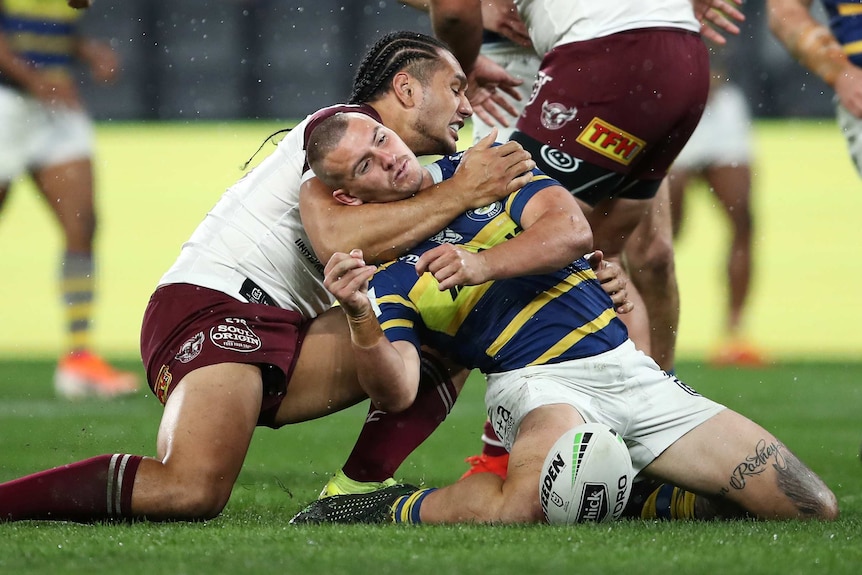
x: 555, y: 22
x: 254, y: 233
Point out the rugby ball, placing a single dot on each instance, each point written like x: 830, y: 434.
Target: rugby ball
x: 587, y: 476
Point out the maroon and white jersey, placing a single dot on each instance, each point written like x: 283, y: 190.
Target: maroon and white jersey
x: 252, y: 245
x: 555, y: 22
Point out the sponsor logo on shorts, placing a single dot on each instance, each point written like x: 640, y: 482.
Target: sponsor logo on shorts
x: 191, y: 348
x: 559, y: 160
x: 685, y: 387
x: 541, y: 80
x: 235, y: 335
x: 487, y: 213
x: 502, y: 421
x: 594, y: 502
x: 163, y: 382
x: 610, y: 141
x: 555, y: 115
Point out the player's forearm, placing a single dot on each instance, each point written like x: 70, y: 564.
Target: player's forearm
x: 547, y: 246
x: 458, y: 23
x: 379, y: 366
x: 382, y: 231
x: 807, y: 40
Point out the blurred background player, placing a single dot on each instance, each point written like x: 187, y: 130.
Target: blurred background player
x: 834, y: 53
x: 47, y: 134
x: 720, y: 152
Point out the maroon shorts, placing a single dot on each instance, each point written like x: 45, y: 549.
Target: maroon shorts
x: 187, y: 327
x: 626, y: 103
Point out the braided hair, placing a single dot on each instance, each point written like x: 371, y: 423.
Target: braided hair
x: 394, y: 53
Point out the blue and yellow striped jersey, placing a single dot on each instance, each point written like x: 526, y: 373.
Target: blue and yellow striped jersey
x: 43, y: 32
x: 845, y: 21
x: 499, y: 325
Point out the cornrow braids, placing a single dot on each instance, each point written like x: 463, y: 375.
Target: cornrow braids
x: 391, y: 54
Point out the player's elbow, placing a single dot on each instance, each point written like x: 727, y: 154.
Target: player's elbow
x: 576, y: 241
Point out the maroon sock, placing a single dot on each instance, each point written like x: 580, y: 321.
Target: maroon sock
x: 387, y: 439
x: 491, y: 444
x: 91, y: 490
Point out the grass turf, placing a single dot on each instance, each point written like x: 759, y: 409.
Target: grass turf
x: 812, y: 407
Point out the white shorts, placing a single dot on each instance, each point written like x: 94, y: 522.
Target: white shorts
x: 522, y: 63
x: 723, y: 136
x: 35, y: 136
x: 622, y: 388
x: 851, y: 127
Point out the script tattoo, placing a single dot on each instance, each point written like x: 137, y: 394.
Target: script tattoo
x: 756, y: 463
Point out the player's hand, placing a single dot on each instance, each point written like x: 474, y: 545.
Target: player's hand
x: 501, y: 16
x: 612, y: 279
x: 491, y: 91
x: 716, y: 17
x: 346, y: 277
x: 487, y: 173
x: 848, y: 88
x: 102, y: 60
x: 452, y: 266
x: 54, y: 91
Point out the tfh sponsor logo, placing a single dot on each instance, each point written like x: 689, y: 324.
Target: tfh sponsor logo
x: 610, y: 141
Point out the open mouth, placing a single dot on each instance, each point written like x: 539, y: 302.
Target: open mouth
x: 455, y: 127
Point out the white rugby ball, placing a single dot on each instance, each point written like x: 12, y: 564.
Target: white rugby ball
x: 587, y: 476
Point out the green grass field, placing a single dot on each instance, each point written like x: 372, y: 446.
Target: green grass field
x: 813, y: 407
x: 156, y: 183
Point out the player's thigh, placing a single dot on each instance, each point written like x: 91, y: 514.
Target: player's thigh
x: 208, y: 422
x: 324, y: 378
x: 650, y: 245
x: 614, y: 221
x: 538, y: 432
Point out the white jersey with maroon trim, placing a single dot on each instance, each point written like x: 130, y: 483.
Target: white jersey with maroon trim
x: 555, y: 22
x: 254, y: 233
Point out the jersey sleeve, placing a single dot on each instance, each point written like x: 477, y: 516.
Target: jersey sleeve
x: 390, y: 292
x: 516, y: 201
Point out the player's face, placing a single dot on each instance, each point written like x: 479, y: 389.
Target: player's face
x: 373, y: 163
x: 442, y: 109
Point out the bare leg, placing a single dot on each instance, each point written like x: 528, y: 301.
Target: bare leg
x: 203, y: 439
x: 486, y: 498
x: 747, y: 469
x: 650, y: 260
x: 732, y: 186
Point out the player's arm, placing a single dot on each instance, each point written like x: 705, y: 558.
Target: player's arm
x: 388, y: 372
x: 807, y: 40
x: 556, y: 233
x: 459, y: 24
x: 816, y: 48
x: 387, y: 230
x: 49, y: 89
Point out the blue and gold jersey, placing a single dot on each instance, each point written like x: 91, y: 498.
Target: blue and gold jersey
x: 43, y: 32
x: 845, y: 21
x: 499, y: 325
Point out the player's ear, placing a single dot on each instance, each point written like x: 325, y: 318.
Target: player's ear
x: 343, y: 197
x: 403, y: 85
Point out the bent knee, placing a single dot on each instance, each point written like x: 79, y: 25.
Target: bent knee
x: 199, y: 504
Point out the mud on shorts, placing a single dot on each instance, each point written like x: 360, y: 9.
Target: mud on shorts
x: 622, y: 388
x: 187, y: 327
x: 607, y: 117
